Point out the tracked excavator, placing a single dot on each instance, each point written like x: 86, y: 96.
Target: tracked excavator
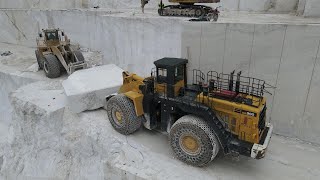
x: 187, y: 8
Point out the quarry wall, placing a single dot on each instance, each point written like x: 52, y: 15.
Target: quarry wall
x: 282, y: 6
x: 312, y: 8
x: 45, y: 139
x: 43, y: 4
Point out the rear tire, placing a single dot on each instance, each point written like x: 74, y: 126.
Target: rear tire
x: 193, y: 141
x: 40, y: 59
x: 122, y: 115
x: 51, y: 66
x: 79, y: 55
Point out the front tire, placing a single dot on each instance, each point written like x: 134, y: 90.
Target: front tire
x: 122, y: 115
x: 193, y: 141
x: 40, y: 59
x: 51, y: 66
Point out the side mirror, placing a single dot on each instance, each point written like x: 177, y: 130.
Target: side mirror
x: 40, y: 35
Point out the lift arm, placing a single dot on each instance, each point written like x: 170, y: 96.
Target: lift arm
x: 131, y: 89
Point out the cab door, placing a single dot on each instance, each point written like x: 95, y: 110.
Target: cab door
x: 161, y: 83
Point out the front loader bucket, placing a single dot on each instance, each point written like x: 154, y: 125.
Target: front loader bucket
x: 76, y: 66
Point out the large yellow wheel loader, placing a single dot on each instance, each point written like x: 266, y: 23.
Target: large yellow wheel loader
x: 215, y: 113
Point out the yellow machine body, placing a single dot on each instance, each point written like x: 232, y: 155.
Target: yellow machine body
x: 241, y: 119
x: 231, y: 104
x: 161, y: 87
x: 130, y: 88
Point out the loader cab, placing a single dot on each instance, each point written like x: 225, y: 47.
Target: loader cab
x: 171, y: 76
x: 51, y: 37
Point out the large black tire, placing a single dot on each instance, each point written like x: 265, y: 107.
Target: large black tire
x: 51, y: 66
x: 40, y: 59
x: 122, y: 115
x: 79, y: 55
x: 193, y: 141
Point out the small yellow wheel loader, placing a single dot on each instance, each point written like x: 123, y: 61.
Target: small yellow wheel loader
x: 215, y: 113
x: 55, y: 55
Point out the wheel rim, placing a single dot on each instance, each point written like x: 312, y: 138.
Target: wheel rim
x: 190, y: 144
x: 198, y: 12
x: 45, y: 67
x: 117, y: 116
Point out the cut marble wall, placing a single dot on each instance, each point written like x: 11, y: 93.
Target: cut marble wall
x: 42, y: 4
x: 299, y: 52
x: 312, y: 8
x: 284, y: 6
x: 254, y: 5
x: 312, y: 121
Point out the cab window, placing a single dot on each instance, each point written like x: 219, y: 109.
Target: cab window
x: 51, y: 35
x: 162, y: 75
x: 179, y: 74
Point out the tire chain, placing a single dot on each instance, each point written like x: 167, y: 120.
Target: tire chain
x: 195, y: 125
x: 126, y: 107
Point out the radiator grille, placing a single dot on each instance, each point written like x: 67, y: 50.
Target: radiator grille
x: 262, y: 118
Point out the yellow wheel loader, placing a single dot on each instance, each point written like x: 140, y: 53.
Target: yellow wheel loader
x: 215, y: 113
x: 187, y: 8
x: 55, y: 55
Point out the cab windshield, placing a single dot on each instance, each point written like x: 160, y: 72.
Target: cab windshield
x: 52, y: 35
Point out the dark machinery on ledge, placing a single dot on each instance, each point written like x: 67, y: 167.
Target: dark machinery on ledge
x: 55, y: 55
x: 216, y: 113
x: 187, y: 8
